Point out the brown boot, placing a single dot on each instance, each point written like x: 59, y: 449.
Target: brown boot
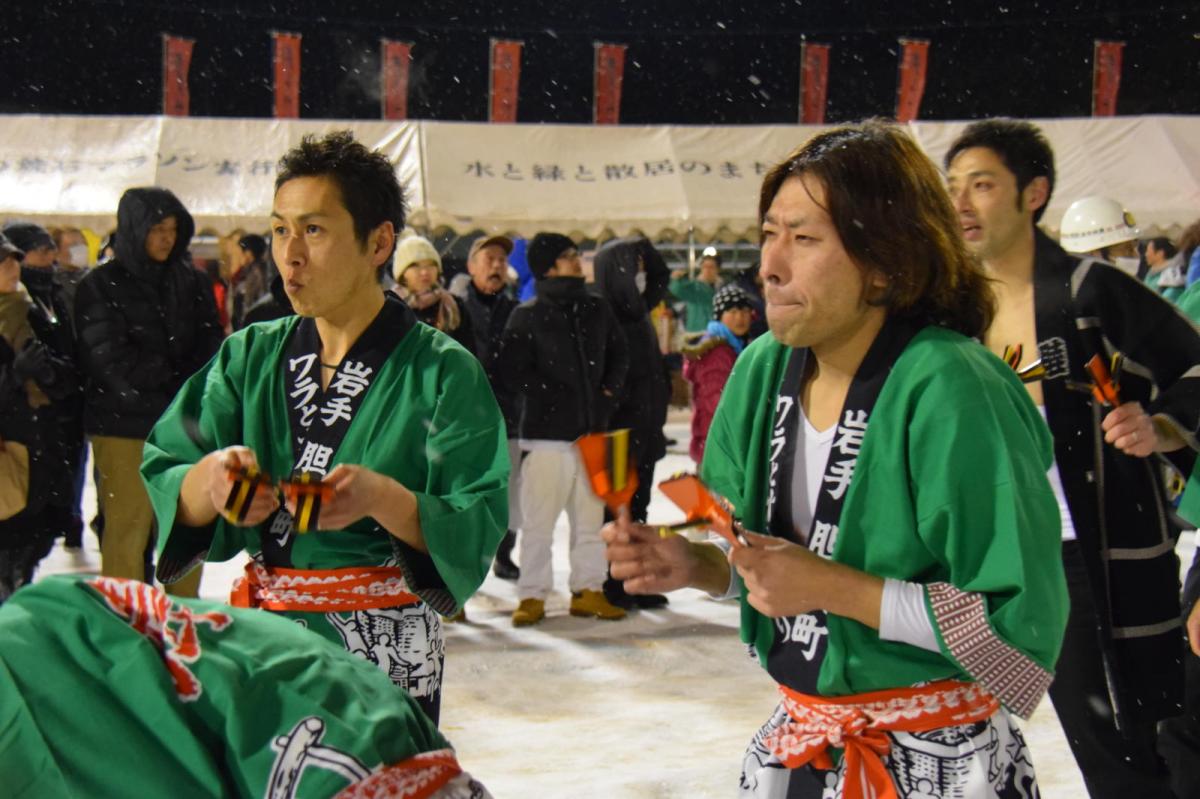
x: 593, y: 604
x: 530, y: 611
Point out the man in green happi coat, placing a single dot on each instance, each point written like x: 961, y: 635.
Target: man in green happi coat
x: 110, y: 687
x: 903, y: 586
x: 385, y: 431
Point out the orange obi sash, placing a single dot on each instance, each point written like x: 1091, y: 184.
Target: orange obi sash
x: 858, y: 724
x: 321, y: 590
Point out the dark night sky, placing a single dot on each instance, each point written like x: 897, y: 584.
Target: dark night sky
x: 691, y: 62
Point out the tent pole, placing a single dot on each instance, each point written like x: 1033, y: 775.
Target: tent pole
x: 691, y: 253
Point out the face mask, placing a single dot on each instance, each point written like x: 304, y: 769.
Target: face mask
x: 639, y: 280
x: 1127, y: 264
x: 79, y: 254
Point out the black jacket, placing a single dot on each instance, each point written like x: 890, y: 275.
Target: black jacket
x: 488, y: 314
x: 1083, y: 308
x: 272, y: 305
x: 52, y: 325
x: 642, y: 403
x: 564, y: 354
x: 40, y: 428
x: 143, y: 327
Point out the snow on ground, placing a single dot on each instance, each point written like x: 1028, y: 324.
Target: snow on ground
x: 659, y: 705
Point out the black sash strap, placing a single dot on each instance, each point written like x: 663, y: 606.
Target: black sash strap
x: 318, y: 419
x: 800, y: 641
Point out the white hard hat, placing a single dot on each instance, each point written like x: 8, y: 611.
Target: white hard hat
x: 1096, y: 222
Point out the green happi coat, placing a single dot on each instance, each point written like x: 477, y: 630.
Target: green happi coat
x: 428, y: 420
x: 950, y: 491
x: 109, y: 687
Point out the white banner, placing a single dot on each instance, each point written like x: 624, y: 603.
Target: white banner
x: 587, y: 181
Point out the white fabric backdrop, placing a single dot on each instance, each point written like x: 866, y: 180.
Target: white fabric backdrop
x: 582, y: 180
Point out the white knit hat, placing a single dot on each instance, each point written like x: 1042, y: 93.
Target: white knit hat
x: 413, y: 249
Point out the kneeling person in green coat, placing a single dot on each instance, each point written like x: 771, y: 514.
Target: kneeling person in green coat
x: 392, y: 420
x: 907, y: 592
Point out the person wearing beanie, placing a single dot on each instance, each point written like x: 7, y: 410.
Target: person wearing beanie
x: 708, y: 361
x: 146, y: 321
x: 417, y: 268
x: 564, y: 355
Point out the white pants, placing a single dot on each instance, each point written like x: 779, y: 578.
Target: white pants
x: 552, y: 481
x: 514, y: 485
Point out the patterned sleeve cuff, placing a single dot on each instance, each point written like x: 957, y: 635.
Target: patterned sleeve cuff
x: 1012, y: 676
x: 186, y: 548
x: 422, y: 578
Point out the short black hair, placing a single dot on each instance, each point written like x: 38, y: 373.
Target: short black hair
x: 254, y: 244
x: 366, y: 179
x: 1022, y: 147
x: 1164, y: 245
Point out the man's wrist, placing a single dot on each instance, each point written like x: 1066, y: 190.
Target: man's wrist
x: 709, y: 570
x: 855, y: 594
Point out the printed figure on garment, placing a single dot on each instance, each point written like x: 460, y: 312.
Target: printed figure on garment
x: 186, y: 697
x: 1115, y: 370
x: 385, y: 430
x: 880, y: 594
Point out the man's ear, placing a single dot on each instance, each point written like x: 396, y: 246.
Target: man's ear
x: 1037, y: 193
x: 381, y: 242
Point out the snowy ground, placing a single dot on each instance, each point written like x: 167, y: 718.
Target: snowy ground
x: 658, y: 705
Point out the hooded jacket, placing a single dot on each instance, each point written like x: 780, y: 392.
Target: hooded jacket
x: 564, y: 354
x: 642, y: 403
x: 143, y: 327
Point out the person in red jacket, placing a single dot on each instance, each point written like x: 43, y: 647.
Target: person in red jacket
x: 708, y: 362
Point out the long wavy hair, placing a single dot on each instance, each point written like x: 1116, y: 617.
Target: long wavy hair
x: 889, y: 205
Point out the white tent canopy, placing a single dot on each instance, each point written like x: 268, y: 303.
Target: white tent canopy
x: 588, y: 181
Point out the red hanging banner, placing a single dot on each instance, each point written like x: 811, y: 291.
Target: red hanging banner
x: 395, y: 61
x: 608, y: 73
x: 913, y: 61
x: 287, y: 74
x: 177, y: 60
x: 505, y: 78
x: 814, y: 82
x: 1106, y: 77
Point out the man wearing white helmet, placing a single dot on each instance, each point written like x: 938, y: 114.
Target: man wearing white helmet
x: 1120, y: 670
x: 1101, y: 228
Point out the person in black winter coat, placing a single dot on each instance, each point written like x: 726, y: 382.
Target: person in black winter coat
x: 488, y: 304
x: 55, y: 330
x: 633, y: 278
x: 146, y: 321
x: 564, y: 354
x: 34, y: 381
